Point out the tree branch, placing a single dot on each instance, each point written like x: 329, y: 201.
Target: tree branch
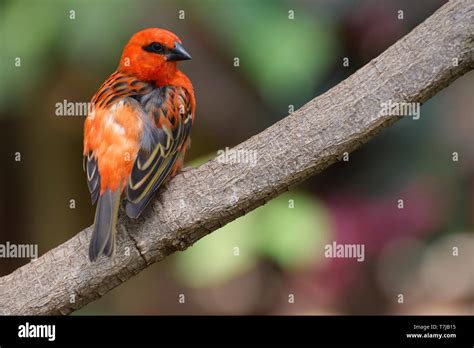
x: 302, y: 144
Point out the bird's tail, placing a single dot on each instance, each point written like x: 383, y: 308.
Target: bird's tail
x: 103, y: 236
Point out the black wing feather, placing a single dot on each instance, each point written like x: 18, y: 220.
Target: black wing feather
x: 154, y: 164
x: 93, y: 176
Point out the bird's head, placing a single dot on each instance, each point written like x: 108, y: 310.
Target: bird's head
x: 151, y: 55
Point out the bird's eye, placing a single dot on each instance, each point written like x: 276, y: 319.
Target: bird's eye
x: 155, y: 47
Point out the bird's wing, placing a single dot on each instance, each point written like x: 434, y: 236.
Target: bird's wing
x: 171, y: 111
x: 93, y: 176
x: 117, y: 87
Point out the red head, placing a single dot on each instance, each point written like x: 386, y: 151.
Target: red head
x: 151, y: 55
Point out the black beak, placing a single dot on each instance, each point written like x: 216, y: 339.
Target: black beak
x: 177, y: 53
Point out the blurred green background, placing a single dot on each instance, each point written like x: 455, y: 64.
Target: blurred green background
x: 270, y: 261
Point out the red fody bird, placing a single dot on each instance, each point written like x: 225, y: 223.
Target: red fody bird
x: 136, y: 136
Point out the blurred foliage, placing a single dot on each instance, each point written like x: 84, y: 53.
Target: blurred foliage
x: 288, y: 230
x: 31, y: 33
x: 291, y: 230
x: 285, y: 57
x: 282, y: 57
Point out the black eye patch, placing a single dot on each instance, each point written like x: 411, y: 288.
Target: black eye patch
x: 155, y: 47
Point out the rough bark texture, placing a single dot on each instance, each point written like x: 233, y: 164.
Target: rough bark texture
x: 202, y: 200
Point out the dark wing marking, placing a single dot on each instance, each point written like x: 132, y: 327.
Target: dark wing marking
x: 171, y: 111
x: 134, y: 209
x: 93, y: 176
x: 119, y: 86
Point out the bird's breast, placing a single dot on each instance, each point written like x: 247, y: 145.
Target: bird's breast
x: 113, y: 135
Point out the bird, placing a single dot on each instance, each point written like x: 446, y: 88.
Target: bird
x: 137, y: 131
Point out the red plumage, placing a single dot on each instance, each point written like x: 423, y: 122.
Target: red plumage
x: 137, y: 135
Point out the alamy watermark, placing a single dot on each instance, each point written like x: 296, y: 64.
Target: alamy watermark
x: 21, y: 251
x: 68, y: 108
x: 237, y: 156
x: 28, y: 330
x: 345, y: 251
x: 391, y: 108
